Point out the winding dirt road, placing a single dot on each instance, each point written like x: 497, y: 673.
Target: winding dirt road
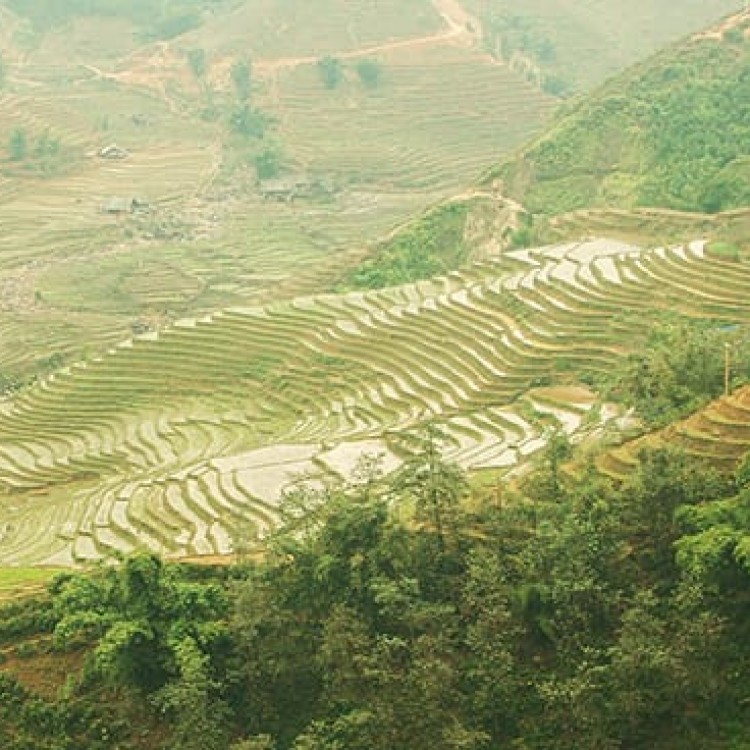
x: 460, y: 28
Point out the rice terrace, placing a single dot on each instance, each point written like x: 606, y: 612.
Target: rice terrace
x: 202, y: 297
x: 374, y: 374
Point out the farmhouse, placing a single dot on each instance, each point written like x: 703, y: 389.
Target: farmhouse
x: 280, y: 190
x: 113, y: 151
x: 117, y: 205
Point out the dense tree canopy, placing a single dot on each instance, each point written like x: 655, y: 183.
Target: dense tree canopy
x: 574, y: 615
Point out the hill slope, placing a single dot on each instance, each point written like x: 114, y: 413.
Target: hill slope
x: 375, y: 155
x: 718, y: 435
x: 671, y: 133
x: 176, y: 442
x: 576, y: 44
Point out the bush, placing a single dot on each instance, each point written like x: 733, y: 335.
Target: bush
x: 249, y: 122
x: 331, y: 71
x: 733, y: 35
x: 268, y: 164
x: 370, y: 72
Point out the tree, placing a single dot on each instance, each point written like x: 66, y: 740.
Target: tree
x: 200, y: 721
x: 46, y: 146
x: 144, y: 616
x: 18, y: 145
x: 370, y: 72
x: 242, y: 78
x: 249, y: 122
x: 197, y: 62
x: 331, y: 71
x: 435, y: 486
x: 546, y: 484
x: 268, y: 163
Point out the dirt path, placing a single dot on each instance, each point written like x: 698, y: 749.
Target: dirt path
x: 147, y: 66
x: 730, y: 23
x: 461, y: 28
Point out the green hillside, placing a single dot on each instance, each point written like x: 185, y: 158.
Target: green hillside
x: 586, y: 617
x: 671, y: 133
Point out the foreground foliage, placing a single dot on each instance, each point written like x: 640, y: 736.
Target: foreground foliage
x: 583, y: 616
x: 680, y: 369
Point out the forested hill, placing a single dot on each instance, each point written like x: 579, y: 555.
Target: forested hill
x: 670, y: 133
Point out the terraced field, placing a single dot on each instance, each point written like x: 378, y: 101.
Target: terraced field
x: 718, y: 435
x: 208, y: 240
x: 264, y: 29
x: 428, y: 126
x: 177, y: 442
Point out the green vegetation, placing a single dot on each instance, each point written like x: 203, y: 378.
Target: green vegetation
x: 574, y: 45
x: 161, y: 20
x: 370, y: 72
x: 727, y: 250
x: 433, y: 245
x: 268, y: 163
x: 520, y: 38
x: 197, y: 61
x: 669, y: 134
x: 42, y: 156
x: 249, y: 122
x: 16, y: 579
x: 680, y: 369
x: 242, y: 78
x: 331, y: 71
x: 18, y: 146
x: 616, y: 614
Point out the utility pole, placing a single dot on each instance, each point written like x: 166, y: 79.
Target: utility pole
x: 727, y: 364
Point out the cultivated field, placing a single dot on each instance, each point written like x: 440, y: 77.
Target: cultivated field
x: 718, y: 435
x: 78, y: 273
x: 169, y: 356
x: 179, y: 441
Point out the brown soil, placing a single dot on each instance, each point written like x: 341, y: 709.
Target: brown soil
x: 43, y: 674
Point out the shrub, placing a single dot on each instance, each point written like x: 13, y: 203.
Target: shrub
x: 370, y: 72
x: 331, y: 71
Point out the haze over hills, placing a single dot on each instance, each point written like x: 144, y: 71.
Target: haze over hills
x: 670, y: 133
x: 577, y: 45
x: 177, y: 211
x: 367, y: 156
x: 89, y: 75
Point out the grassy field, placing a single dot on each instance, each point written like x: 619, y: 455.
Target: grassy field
x: 17, y: 581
